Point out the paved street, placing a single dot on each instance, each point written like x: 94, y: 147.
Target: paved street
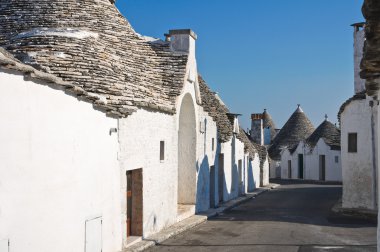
x: 292, y: 217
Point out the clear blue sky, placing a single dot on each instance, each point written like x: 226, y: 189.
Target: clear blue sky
x: 269, y: 54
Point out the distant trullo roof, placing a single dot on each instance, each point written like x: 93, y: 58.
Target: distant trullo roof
x: 269, y: 123
x: 297, y: 128
x: 330, y: 134
x: 90, y: 45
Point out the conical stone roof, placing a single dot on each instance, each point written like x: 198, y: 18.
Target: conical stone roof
x: 297, y: 128
x: 269, y: 123
x: 330, y: 134
x: 91, y: 45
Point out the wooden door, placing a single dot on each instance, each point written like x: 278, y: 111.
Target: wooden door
x: 129, y: 202
x: 134, y: 203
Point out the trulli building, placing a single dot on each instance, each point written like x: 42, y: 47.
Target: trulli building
x: 106, y: 135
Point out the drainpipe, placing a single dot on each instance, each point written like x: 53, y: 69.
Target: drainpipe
x: 374, y: 164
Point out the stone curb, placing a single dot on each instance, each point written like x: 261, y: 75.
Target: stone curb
x: 194, y: 220
x: 357, y: 213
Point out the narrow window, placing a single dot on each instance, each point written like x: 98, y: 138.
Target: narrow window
x: 352, y: 142
x: 212, y: 144
x: 336, y: 159
x: 162, y: 150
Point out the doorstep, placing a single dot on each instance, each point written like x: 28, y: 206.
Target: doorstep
x: 194, y: 220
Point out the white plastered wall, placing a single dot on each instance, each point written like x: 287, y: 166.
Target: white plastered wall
x: 266, y: 171
x: 333, y: 169
x: 233, y: 151
x: 206, y: 157
x: 285, y: 157
x: 274, y: 167
x: 58, y: 169
x: 252, y: 171
x: 357, y: 167
x: 301, y: 149
x: 140, y: 135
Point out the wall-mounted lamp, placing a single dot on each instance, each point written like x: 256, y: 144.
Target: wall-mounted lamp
x: 113, y: 130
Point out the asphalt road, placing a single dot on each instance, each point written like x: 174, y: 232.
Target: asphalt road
x: 293, y: 217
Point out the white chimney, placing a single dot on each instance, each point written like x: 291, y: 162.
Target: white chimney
x: 182, y: 41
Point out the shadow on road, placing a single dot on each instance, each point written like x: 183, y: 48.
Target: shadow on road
x: 296, y: 202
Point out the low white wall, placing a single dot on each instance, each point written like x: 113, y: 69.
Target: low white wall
x: 274, y: 168
x: 140, y: 135
x: 357, y: 167
x: 206, y: 157
x: 58, y: 169
x: 252, y: 173
x: 285, y: 157
x: 266, y: 172
x: 233, y: 151
x: 333, y: 169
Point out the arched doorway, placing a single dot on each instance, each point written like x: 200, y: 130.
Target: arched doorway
x: 187, y: 153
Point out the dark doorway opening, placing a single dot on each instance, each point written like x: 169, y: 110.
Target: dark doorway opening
x: 300, y: 166
x: 322, y: 167
x: 290, y: 169
x: 241, y: 177
x: 220, y: 176
x: 212, y: 186
x: 134, y: 203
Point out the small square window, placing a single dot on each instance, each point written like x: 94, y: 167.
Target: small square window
x: 162, y: 150
x: 352, y: 142
x: 336, y: 159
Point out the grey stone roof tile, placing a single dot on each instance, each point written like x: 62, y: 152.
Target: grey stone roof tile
x: 297, y: 128
x: 328, y: 132
x: 90, y: 45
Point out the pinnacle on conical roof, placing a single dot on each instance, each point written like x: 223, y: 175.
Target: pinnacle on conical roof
x: 297, y: 128
x: 329, y: 132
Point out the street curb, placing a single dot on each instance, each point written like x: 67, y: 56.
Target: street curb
x: 194, y: 221
x: 357, y: 213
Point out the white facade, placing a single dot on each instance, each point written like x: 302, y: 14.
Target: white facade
x: 59, y: 168
x: 306, y: 162
x: 67, y: 164
x: 358, y: 179
x: 274, y: 168
x: 333, y: 166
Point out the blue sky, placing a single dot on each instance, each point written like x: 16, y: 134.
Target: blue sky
x: 269, y: 54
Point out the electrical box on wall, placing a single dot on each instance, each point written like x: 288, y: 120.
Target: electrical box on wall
x: 4, y: 245
x: 94, y: 235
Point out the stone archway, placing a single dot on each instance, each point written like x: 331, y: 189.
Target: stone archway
x: 187, y: 153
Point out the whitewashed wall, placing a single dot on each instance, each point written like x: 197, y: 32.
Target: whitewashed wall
x: 357, y: 167
x: 285, y: 156
x: 275, y: 166
x: 301, y: 149
x: 233, y: 150
x: 333, y: 169
x: 206, y: 157
x: 252, y: 171
x: 140, y: 135
x: 266, y: 172
x: 58, y: 169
